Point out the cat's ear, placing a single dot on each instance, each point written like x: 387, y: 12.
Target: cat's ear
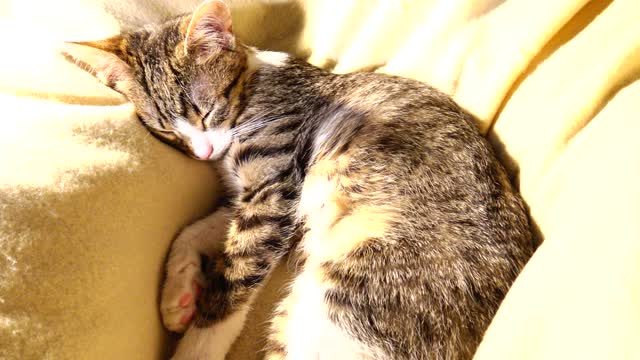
x: 209, y: 29
x: 103, y: 60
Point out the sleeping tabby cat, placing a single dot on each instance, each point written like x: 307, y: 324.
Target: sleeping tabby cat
x: 404, y: 229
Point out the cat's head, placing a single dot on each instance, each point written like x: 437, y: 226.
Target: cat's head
x: 178, y: 75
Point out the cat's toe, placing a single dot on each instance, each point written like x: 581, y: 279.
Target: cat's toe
x: 179, y: 297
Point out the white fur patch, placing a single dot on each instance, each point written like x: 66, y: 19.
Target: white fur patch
x: 312, y: 335
x: 207, y: 145
x: 200, y: 144
x: 221, y: 140
x: 260, y: 58
x: 272, y: 57
x: 211, y: 343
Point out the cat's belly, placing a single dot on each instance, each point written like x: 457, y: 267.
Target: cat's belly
x: 310, y: 333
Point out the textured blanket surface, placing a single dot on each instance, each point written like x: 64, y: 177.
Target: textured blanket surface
x: 89, y: 201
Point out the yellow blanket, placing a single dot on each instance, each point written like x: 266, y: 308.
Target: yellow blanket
x: 89, y: 202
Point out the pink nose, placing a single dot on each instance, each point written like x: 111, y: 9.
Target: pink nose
x: 203, y: 151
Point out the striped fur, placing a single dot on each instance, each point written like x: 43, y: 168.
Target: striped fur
x: 405, y: 228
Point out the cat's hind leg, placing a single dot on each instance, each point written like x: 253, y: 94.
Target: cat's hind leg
x: 300, y: 328
x: 184, y: 278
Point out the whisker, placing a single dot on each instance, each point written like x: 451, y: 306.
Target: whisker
x: 255, y: 123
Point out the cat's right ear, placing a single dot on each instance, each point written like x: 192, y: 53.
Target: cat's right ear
x: 100, y: 58
x: 208, y: 30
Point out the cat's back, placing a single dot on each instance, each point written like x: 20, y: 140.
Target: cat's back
x: 440, y: 233
x: 430, y: 159
x: 401, y: 112
x: 433, y: 165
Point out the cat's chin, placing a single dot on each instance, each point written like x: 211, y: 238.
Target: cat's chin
x: 194, y: 157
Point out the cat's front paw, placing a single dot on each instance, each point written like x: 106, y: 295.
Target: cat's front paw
x: 180, y: 292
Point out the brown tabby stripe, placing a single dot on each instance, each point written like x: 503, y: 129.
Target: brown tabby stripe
x: 276, y: 184
x: 245, y: 223
x: 284, y: 127
x: 286, y: 193
x: 255, y: 152
x: 227, y: 91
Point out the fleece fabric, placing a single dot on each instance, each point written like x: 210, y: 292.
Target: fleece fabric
x: 89, y: 201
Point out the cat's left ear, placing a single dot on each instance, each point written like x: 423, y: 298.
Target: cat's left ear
x: 103, y: 59
x: 209, y: 30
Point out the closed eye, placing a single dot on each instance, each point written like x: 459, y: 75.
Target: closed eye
x: 202, y: 113
x: 205, y: 117
x: 168, y: 134
x: 164, y: 131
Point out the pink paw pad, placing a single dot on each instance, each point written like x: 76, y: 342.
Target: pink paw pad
x: 187, y: 318
x: 185, y: 300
